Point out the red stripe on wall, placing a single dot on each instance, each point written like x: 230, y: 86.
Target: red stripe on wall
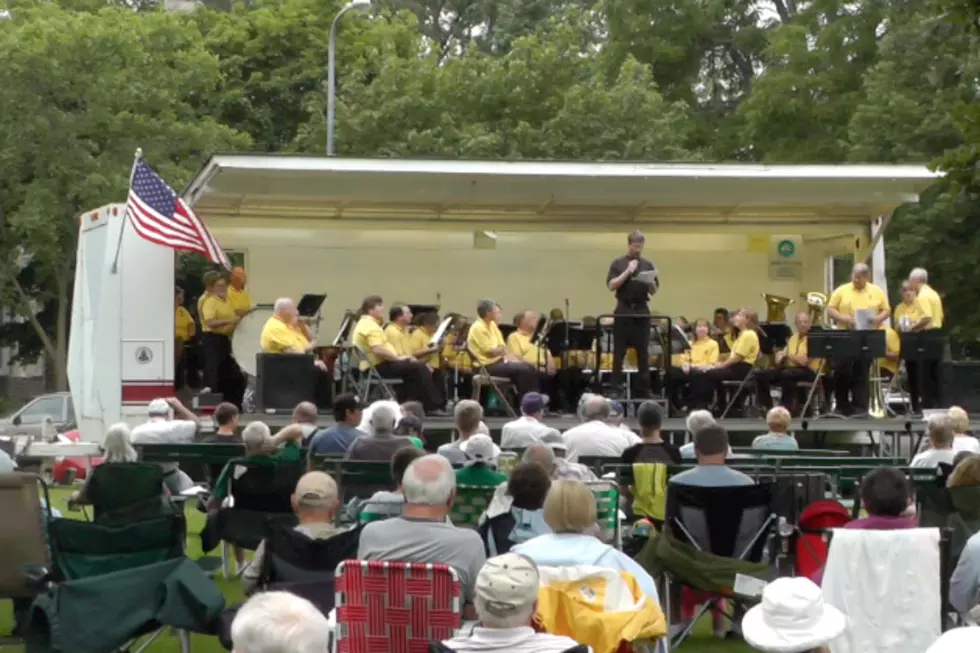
x: 138, y: 392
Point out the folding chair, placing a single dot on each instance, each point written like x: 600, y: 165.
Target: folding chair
x: 371, y: 385
x: 710, y: 536
x: 504, y: 388
x: 470, y: 504
x: 954, y: 509
x: 121, y: 493
x: 607, y: 511
x: 397, y: 607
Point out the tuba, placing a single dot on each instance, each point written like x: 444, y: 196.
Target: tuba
x: 776, y: 307
x: 816, y: 304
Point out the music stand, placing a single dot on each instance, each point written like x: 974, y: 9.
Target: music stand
x: 777, y: 334
x: 506, y: 330
x: 842, y: 345
x: 539, y: 329
x: 923, y: 347
x: 309, y: 305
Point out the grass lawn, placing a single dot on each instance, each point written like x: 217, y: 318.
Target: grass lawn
x: 700, y: 643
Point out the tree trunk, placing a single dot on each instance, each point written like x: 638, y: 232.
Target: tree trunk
x: 61, y: 329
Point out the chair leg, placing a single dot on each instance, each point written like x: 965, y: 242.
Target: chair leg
x: 226, y: 556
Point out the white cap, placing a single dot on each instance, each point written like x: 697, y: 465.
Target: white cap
x: 479, y: 448
x: 158, y: 408
x: 792, y: 618
x: 507, y: 584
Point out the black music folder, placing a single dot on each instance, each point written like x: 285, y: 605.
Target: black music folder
x: 309, y: 305
x: 419, y: 309
x: 846, y: 345
x: 929, y: 345
x: 777, y: 334
x: 506, y: 330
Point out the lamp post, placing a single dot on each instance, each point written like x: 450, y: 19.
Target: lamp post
x: 331, y: 63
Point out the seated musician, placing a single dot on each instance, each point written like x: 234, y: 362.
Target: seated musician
x: 399, y: 320
x: 487, y: 345
x: 237, y: 296
x: 419, y: 349
x: 702, y: 356
x: 744, y: 354
x: 893, y: 353
x: 519, y: 344
x: 722, y: 329
x: 368, y: 335
x: 792, y: 368
x: 286, y: 333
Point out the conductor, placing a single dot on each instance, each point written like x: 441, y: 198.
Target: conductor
x: 633, y: 288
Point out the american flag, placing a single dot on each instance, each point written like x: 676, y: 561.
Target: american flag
x: 160, y: 216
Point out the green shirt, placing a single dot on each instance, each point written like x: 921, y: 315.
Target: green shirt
x: 479, y: 475
x: 416, y: 441
x: 290, y: 453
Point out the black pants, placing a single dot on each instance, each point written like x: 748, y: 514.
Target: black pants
x: 710, y: 384
x: 439, y: 381
x: 788, y: 380
x: 681, y: 384
x: 522, y: 375
x: 417, y: 382
x: 851, y: 386
x: 221, y: 372
x: 924, y: 384
x: 323, y: 389
x: 632, y: 332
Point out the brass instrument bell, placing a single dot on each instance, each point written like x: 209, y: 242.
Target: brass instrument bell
x: 816, y: 303
x: 776, y: 307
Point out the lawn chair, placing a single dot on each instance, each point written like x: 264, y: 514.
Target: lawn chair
x: 397, y: 607
x: 121, y: 493
x: 471, y: 502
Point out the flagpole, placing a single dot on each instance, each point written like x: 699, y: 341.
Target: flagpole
x: 115, y: 259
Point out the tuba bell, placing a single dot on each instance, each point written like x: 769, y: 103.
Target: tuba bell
x: 816, y: 304
x: 776, y: 307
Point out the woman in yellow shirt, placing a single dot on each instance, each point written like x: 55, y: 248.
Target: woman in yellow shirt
x: 745, y: 352
x: 184, y: 331
x: 702, y: 355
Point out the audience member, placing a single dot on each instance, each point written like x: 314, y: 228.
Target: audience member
x: 422, y: 533
x: 792, y: 618
x: 365, y: 425
x: 652, y: 448
x: 386, y: 503
x: 117, y: 448
x: 778, y: 420
x: 886, y: 497
x: 966, y: 471
x: 711, y: 447
x: 162, y: 428
x: 595, y: 437
x: 505, y: 602
x: 226, y: 418
x: 279, y: 622
x: 315, y: 503
x: 480, y: 467
x: 338, y: 438
x: 528, y: 428
x: 522, y: 518
x: 959, y: 421
x: 957, y: 640
x: 697, y: 420
x: 305, y: 414
x: 467, y: 416
x: 412, y: 428
x: 940, y: 435
x: 413, y: 409
x: 617, y: 415
x: 570, y: 511
x: 564, y: 469
x: 964, y: 587
x: 382, y: 443
x: 261, y: 448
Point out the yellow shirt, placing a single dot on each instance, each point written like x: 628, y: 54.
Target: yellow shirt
x: 519, y: 344
x: 483, y: 337
x: 911, y: 313
x: 893, y: 346
x: 935, y: 303
x: 702, y: 352
x: 200, y: 302
x: 183, y: 324
x: 368, y: 335
x: 399, y: 338
x: 215, y: 308
x: 797, y: 346
x: 847, y: 299
x: 747, y: 346
x: 419, y: 340
x: 278, y: 337
x: 239, y: 299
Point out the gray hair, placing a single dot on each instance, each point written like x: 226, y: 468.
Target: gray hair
x: 940, y: 430
x: 429, y: 481
x: 279, y: 622
x: 467, y: 417
x: 520, y: 618
x: 861, y: 268
x: 919, y: 274
x: 383, y: 419
x: 484, y: 307
x: 697, y: 420
x: 539, y: 453
x: 118, y: 445
x: 595, y: 407
x: 281, y: 304
x: 255, y: 436
x: 305, y: 413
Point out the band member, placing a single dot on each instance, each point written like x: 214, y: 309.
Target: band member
x: 722, y: 329
x: 893, y: 355
x: 702, y: 356
x: 931, y: 386
x: 632, y: 299
x: 793, y: 366
x: 850, y: 376
x: 487, y: 345
x: 399, y: 319
x: 218, y: 321
x: 420, y: 350
x: 184, y: 331
x: 519, y: 344
x: 240, y: 301
x: 368, y: 335
x: 286, y: 333
x: 744, y: 354
x: 209, y: 278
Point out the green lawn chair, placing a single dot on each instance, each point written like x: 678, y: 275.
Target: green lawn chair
x: 607, y: 511
x: 471, y: 502
x: 121, y: 493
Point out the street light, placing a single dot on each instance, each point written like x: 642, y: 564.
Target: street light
x: 331, y: 63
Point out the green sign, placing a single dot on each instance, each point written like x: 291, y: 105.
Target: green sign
x: 786, y: 248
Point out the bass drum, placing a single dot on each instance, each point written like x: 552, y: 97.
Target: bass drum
x: 245, y: 340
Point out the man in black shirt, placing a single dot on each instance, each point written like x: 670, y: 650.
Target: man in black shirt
x: 632, y: 298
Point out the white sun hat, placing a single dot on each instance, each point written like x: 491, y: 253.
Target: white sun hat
x: 957, y: 640
x: 792, y: 618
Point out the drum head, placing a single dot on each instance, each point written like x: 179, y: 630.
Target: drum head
x: 245, y: 340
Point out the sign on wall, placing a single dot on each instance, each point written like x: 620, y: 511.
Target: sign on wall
x: 786, y: 258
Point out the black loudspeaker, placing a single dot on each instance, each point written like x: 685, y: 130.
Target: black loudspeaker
x: 283, y: 380
x: 961, y: 385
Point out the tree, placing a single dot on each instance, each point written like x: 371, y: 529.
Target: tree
x: 81, y: 91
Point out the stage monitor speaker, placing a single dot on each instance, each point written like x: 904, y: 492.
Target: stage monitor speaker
x: 283, y: 380
x: 961, y: 385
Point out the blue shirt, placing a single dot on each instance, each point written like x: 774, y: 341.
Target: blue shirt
x: 336, y: 439
x: 776, y: 442
x: 713, y: 476
x: 964, y: 587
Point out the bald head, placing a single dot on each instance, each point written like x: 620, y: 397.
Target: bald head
x: 304, y: 413
x: 542, y: 455
x: 595, y: 407
x: 860, y: 274
x: 238, y: 277
x: 429, y: 481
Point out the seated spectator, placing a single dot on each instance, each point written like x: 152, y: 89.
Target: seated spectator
x: 386, y: 503
x: 162, y: 428
x: 652, y: 448
x: 315, y: 504
x: 964, y: 587
x: 570, y: 511
x: 368, y: 412
x: 382, y: 443
x: 778, y: 420
x: 411, y: 427
x: 261, y: 448
x: 467, y: 416
x: 305, y: 414
x: 118, y: 449
x: 528, y: 428
x: 617, y: 415
x: 540, y: 454
x: 940, y: 451
x: 697, y: 420
x: 279, y: 622
x: 711, y: 447
x: 505, y: 603
x: 966, y: 470
x: 413, y: 409
x: 959, y: 421
x: 480, y: 467
x: 792, y: 618
x: 957, y: 640
x: 338, y: 438
x: 886, y: 497
x: 226, y: 418
x: 595, y: 437
x: 563, y: 469
x: 422, y: 533
x: 519, y: 518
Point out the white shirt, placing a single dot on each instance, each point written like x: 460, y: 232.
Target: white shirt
x: 162, y: 431
x: 596, y: 438
x: 964, y: 442
x: 933, y: 457
x: 522, y: 433
x: 510, y: 640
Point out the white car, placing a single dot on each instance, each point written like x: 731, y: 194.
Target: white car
x: 29, y: 418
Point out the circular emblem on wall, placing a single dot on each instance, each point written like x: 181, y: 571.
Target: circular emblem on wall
x: 786, y: 248
x: 144, y: 355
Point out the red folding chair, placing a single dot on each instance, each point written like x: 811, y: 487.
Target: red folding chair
x: 395, y: 607
x: 811, y: 548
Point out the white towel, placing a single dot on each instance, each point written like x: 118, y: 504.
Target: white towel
x: 887, y: 584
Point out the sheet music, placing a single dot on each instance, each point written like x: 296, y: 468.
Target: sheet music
x: 649, y: 277
x: 440, y: 332
x: 864, y: 319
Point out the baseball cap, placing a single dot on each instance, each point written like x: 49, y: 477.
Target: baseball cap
x: 158, y: 406
x: 534, y: 402
x: 615, y: 408
x: 316, y: 490
x: 479, y: 448
x: 507, y: 584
